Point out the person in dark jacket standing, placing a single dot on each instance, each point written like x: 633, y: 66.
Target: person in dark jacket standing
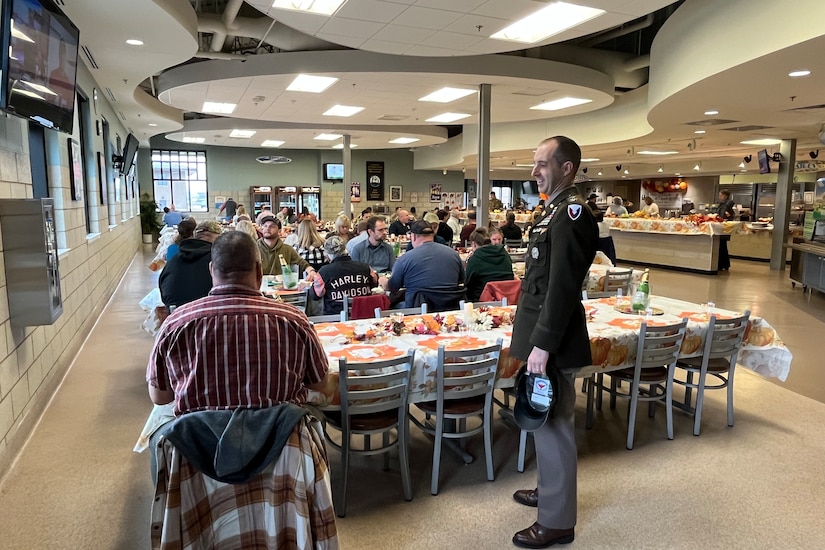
x: 725, y: 211
x: 550, y: 333
x: 489, y: 262
x: 186, y: 276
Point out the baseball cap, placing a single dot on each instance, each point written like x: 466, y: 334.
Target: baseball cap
x: 592, y: 196
x: 335, y: 246
x: 530, y: 414
x: 269, y: 219
x: 422, y: 227
x: 430, y: 217
x: 209, y: 227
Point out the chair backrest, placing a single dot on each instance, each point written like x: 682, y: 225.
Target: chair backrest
x: 374, y: 386
x: 615, y: 280
x: 495, y: 303
x: 724, y: 337
x: 362, y: 307
x: 439, y: 299
x: 297, y: 299
x: 335, y: 318
x: 379, y: 313
x: 659, y: 345
x: 496, y: 290
x: 513, y: 243
x: 466, y: 373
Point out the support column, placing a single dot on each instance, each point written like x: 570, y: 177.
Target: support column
x: 782, y: 204
x: 483, y: 186
x: 346, y: 158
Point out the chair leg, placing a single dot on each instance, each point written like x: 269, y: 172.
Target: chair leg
x: 341, y: 508
x: 522, y: 449
x: 599, y: 390
x: 631, y: 415
x: 613, y: 388
x: 403, y: 456
x: 700, y: 401
x: 688, y: 388
x: 488, y: 440
x: 588, y: 419
x: 669, y: 401
x: 730, y: 396
x: 439, y: 434
x: 386, y: 443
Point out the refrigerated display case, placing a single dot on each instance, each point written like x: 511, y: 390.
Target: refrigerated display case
x: 260, y: 196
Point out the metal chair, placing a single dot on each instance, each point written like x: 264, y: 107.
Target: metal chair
x: 499, y: 303
x: 722, y: 344
x: 379, y: 313
x: 513, y: 243
x: 373, y: 401
x: 614, y: 281
x: 297, y: 299
x: 334, y: 318
x: 656, y: 356
x: 464, y: 389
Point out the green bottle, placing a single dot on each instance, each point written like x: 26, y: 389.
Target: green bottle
x: 396, y: 248
x: 642, y: 297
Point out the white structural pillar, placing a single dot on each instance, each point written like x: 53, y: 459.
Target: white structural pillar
x: 346, y: 158
x: 782, y: 204
x: 483, y: 186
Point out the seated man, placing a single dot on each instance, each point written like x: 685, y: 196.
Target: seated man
x: 342, y: 277
x: 374, y: 250
x: 468, y: 228
x: 433, y: 219
x: 186, y: 275
x: 271, y: 247
x: 489, y: 262
x: 444, y: 230
x: 401, y: 226
x: 234, y: 348
x: 428, y: 266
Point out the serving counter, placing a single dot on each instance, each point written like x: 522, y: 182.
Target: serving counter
x: 813, y: 265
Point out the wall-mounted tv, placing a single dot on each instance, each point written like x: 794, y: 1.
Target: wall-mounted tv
x: 129, y: 151
x: 529, y: 187
x: 333, y: 171
x: 764, y: 162
x: 38, y: 75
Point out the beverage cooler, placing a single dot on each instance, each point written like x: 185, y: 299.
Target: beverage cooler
x: 286, y: 196
x: 311, y: 198
x: 260, y: 196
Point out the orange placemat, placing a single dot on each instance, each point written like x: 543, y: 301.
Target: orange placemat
x: 379, y: 353
x: 454, y: 343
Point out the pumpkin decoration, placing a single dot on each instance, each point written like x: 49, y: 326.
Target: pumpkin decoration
x: 691, y: 344
x: 600, y: 282
x: 599, y: 347
x: 760, y: 335
x: 617, y: 355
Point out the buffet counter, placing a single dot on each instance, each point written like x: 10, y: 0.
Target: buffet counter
x: 754, y: 242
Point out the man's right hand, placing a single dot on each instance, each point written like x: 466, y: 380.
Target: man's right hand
x: 537, y: 361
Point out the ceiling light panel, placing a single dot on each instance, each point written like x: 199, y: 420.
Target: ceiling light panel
x: 767, y: 141
x: 446, y: 118
x: 589, y: 160
x: 327, y: 137
x: 341, y: 146
x: 311, y: 83
x: 343, y: 110
x: 548, y: 21
x: 320, y: 7
x: 561, y: 103
x: 404, y: 140
x: 799, y: 74
x: 272, y: 143
x: 218, y: 108
x: 188, y: 139
x: 243, y: 134
x: 447, y: 94
x: 657, y: 152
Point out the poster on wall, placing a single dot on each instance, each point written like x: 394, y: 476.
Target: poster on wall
x: 395, y: 193
x: 375, y: 181
x: 435, y: 192
x: 670, y: 200
x: 75, y: 170
x: 219, y: 200
x: 101, y: 178
x: 355, y: 192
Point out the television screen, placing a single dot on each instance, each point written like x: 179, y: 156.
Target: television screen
x: 529, y: 187
x: 764, y: 162
x: 41, y: 68
x: 333, y: 172
x: 129, y: 151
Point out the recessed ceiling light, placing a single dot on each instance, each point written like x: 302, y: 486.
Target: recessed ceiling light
x: 657, y: 152
x: 447, y: 117
x: 562, y: 103
x: 798, y: 74
x: 711, y: 113
x: 546, y: 22
x: 447, y: 94
x: 626, y: 171
x: 134, y: 42
x: 698, y: 166
x: 767, y: 141
x: 600, y: 173
x: 343, y: 110
x: 321, y: 7
x: 188, y: 139
x: 742, y: 164
x: 219, y: 108
x: 327, y: 137
x: 310, y: 83
x: 677, y: 173
x: 588, y: 160
x: 246, y: 134
x: 152, y: 124
x: 404, y: 140
x: 272, y: 143
x: 700, y: 131
x: 341, y: 146
x: 661, y: 169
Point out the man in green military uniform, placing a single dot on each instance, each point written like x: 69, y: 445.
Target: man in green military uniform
x: 550, y: 333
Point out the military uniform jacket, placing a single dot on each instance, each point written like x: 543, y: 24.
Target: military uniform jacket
x: 550, y: 314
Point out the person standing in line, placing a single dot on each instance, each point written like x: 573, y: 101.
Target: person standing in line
x: 550, y: 333
x: 231, y: 208
x: 725, y: 211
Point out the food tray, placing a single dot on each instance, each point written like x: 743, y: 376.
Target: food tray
x: 628, y: 309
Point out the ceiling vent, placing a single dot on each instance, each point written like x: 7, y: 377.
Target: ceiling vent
x: 751, y: 128
x: 711, y: 122
x: 393, y: 118
x: 273, y: 159
x: 809, y: 108
x: 89, y: 57
x: 110, y: 94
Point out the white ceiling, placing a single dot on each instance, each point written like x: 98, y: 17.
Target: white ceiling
x: 756, y: 92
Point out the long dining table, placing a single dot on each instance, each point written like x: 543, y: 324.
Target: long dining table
x: 613, y: 340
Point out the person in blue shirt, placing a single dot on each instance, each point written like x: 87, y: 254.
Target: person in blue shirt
x: 172, y: 217
x: 374, y: 250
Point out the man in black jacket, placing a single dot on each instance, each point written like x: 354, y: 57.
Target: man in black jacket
x: 550, y: 333
x: 186, y: 277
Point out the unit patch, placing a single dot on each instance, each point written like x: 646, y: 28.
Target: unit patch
x: 574, y: 211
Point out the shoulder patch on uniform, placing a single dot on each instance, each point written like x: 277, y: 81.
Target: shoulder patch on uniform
x: 574, y: 211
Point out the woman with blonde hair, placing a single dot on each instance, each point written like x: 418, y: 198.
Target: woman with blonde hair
x: 246, y: 226
x: 241, y: 212
x: 310, y: 244
x: 343, y: 228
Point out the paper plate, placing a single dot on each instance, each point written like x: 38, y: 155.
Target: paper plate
x: 628, y: 309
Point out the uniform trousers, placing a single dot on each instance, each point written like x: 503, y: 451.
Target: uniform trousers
x: 557, y: 462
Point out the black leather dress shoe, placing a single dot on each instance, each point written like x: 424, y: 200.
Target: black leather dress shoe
x: 538, y: 536
x: 528, y: 497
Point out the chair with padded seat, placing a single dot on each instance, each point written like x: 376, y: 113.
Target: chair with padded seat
x: 722, y: 344
x: 464, y: 391
x: 498, y: 290
x: 373, y: 401
x: 363, y: 307
x: 656, y: 356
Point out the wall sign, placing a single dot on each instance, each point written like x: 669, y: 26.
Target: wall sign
x: 355, y: 192
x: 435, y: 192
x: 375, y: 181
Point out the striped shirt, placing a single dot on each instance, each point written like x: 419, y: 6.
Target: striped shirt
x: 235, y: 349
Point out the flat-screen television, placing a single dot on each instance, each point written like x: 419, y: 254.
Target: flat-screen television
x: 333, y: 171
x: 39, y: 72
x: 129, y: 152
x: 529, y: 187
x: 764, y: 162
